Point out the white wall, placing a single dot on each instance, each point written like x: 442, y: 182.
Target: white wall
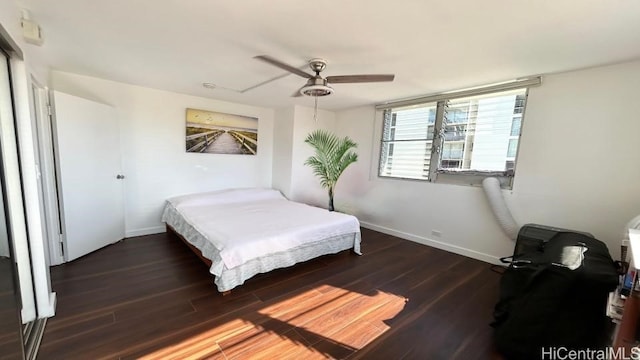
x: 155, y: 163
x: 10, y: 16
x: 282, y: 149
x: 305, y: 186
x: 578, y: 168
x: 294, y: 179
x: 10, y: 19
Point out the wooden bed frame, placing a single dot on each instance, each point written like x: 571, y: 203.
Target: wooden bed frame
x: 195, y: 251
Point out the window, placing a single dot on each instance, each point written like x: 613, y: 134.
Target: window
x: 406, y: 142
x: 452, y: 150
x: 450, y: 164
x: 513, y: 148
x: 476, y: 134
x: 515, y: 125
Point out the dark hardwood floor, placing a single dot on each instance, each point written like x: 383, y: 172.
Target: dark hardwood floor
x: 150, y: 297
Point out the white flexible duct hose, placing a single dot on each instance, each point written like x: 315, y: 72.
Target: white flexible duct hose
x: 633, y: 224
x: 492, y: 189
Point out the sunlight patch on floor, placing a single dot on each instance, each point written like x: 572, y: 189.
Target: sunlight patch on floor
x: 322, y: 322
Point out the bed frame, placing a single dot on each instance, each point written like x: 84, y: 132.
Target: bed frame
x: 208, y: 262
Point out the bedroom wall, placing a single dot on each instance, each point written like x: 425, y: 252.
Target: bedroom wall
x: 10, y: 20
x: 282, y: 145
x: 295, y: 180
x: 305, y: 187
x: 10, y: 16
x: 577, y: 168
x: 155, y: 163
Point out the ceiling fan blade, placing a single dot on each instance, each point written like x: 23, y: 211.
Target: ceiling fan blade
x: 342, y: 79
x: 268, y: 59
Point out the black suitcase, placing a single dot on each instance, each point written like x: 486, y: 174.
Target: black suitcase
x: 553, y: 295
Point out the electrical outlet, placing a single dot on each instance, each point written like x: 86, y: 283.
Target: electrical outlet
x: 436, y: 233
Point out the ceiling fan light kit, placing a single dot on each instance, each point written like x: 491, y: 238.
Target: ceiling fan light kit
x: 316, y: 90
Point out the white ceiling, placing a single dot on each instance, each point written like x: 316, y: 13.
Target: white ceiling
x: 431, y: 45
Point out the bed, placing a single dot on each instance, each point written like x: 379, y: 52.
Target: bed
x: 243, y: 232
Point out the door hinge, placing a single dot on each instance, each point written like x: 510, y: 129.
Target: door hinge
x: 49, y: 110
x: 61, y: 242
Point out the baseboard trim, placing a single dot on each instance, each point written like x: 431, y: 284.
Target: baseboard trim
x: 145, y: 231
x: 433, y: 243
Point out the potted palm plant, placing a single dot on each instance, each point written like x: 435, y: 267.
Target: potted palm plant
x: 332, y: 156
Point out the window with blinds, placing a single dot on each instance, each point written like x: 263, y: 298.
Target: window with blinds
x: 407, y: 139
x: 476, y: 134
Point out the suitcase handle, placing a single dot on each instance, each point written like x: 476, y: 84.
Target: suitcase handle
x: 506, y: 259
x: 514, y: 263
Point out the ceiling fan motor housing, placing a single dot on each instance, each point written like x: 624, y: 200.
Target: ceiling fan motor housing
x: 316, y: 86
x: 317, y: 65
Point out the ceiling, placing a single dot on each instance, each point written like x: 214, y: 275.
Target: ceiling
x: 432, y: 46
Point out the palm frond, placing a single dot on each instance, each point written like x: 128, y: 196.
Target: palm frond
x: 319, y: 170
x: 332, y: 156
x: 348, y: 159
x: 340, y: 152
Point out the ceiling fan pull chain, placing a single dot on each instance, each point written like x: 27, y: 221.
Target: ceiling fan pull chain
x: 315, y: 109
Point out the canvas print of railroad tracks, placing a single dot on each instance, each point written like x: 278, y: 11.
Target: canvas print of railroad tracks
x: 219, y: 133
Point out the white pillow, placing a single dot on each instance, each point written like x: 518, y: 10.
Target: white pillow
x: 227, y: 196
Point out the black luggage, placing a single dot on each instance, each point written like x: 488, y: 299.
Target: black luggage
x: 554, y: 295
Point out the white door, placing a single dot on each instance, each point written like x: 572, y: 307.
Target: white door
x: 88, y: 143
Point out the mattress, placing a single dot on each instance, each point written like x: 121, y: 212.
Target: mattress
x: 249, y: 231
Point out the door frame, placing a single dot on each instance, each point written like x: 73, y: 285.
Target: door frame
x: 55, y: 148
x: 43, y: 137
x: 38, y: 246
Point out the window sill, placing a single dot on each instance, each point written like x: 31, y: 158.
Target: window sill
x: 485, y: 173
x: 463, y: 178
x: 474, y: 178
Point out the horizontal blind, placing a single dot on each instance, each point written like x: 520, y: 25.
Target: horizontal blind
x: 481, y: 132
x: 406, y: 141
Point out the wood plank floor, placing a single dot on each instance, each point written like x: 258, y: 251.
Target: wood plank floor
x: 149, y: 297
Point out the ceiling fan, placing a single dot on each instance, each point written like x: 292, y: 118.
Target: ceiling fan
x: 317, y: 85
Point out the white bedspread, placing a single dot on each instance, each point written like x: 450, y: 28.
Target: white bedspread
x: 244, y: 226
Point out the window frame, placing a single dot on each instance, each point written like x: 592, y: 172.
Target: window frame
x: 458, y: 177
x: 427, y: 139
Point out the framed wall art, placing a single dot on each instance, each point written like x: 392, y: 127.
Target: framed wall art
x: 219, y: 133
